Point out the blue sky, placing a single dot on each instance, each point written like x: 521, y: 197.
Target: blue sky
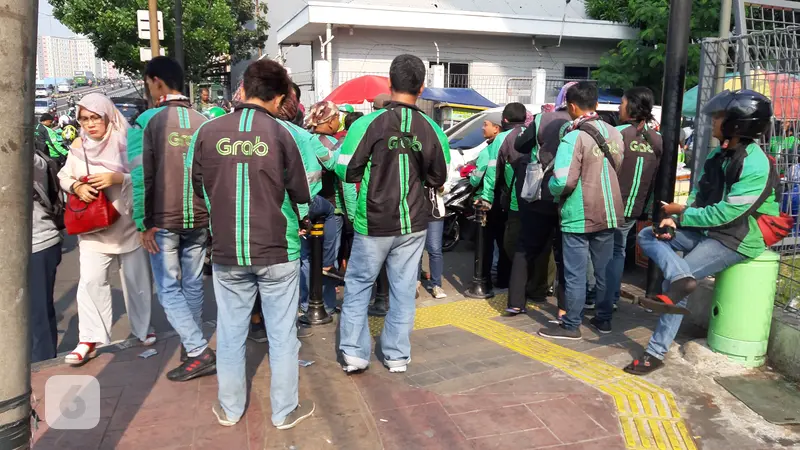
x: 48, y: 25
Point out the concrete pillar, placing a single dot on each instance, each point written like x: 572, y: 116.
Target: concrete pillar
x: 539, y: 87
x: 438, y: 76
x: 323, y: 79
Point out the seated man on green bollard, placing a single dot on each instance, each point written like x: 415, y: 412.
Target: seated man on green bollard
x: 731, y: 212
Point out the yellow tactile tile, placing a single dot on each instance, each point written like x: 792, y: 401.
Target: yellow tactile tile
x: 648, y: 415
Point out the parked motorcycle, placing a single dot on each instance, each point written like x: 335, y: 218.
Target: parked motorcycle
x: 458, y: 213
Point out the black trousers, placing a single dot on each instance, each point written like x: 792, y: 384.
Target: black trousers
x: 495, y: 234
x: 348, y: 233
x: 41, y: 282
x: 539, y: 232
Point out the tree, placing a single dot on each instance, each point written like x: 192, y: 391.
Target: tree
x: 640, y: 62
x: 213, y: 30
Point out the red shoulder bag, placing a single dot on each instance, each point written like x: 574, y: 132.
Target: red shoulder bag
x: 82, y: 218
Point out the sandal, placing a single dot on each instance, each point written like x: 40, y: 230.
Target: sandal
x: 663, y: 304
x: 82, y: 353
x: 511, y: 312
x: 643, y: 366
x: 149, y: 340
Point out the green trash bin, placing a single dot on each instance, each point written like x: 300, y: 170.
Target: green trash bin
x: 741, y: 314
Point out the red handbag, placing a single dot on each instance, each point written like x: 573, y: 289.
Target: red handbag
x: 81, y: 217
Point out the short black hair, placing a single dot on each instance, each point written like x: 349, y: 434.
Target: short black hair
x: 296, y: 90
x: 515, y: 113
x: 266, y: 79
x: 407, y: 74
x: 167, y: 70
x: 45, y: 117
x: 350, y: 118
x: 640, y: 103
x: 583, y: 95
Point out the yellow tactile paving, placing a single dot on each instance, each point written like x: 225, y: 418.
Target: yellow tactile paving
x: 648, y: 415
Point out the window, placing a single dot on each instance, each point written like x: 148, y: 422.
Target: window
x: 579, y: 72
x: 456, y: 75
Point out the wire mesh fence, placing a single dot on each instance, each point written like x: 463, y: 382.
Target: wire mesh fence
x: 768, y: 62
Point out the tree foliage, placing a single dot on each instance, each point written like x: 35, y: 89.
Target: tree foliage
x: 640, y: 62
x: 213, y: 30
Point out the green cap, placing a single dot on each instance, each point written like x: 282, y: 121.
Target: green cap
x: 214, y: 112
x: 347, y: 108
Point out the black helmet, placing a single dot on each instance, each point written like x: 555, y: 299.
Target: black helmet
x: 747, y: 113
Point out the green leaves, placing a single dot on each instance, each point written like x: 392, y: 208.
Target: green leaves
x: 647, y: 52
x: 213, y: 30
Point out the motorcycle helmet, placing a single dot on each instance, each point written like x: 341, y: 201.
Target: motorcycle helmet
x: 214, y: 112
x: 69, y: 133
x: 747, y: 114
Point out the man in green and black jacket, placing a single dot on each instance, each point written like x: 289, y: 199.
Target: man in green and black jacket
x: 586, y: 187
x: 719, y: 225
x: 173, y: 222
x: 47, y: 141
x: 249, y: 169
x: 400, y: 156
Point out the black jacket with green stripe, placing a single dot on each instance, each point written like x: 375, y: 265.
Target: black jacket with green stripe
x: 398, y: 154
x: 249, y: 169
x: 162, y: 189
x: 637, y: 174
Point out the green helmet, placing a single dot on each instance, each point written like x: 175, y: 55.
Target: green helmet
x: 347, y: 108
x: 214, y: 112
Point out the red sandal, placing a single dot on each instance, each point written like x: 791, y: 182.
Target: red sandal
x: 82, y: 354
x: 663, y: 304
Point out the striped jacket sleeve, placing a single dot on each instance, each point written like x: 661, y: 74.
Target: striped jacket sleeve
x: 568, y: 161
x: 490, y: 178
x: 742, y: 196
x: 141, y: 161
x: 476, y: 175
x: 356, y: 149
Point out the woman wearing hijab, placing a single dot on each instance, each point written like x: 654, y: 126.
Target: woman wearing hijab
x: 101, y: 154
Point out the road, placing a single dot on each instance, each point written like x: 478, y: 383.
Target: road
x: 61, y: 102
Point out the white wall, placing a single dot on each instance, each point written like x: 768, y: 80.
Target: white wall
x: 493, y: 60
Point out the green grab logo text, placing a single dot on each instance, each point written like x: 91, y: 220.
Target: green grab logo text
x: 179, y: 140
x: 405, y: 142
x: 246, y: 148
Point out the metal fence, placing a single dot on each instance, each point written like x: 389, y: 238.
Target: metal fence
x: 768, y: 62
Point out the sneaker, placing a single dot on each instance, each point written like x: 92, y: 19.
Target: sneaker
x: 303, y: 411
x: 590, y: 306
x: 222, y: 418
x: 438, y: 292
x: 602, y: 326
x: 203, y: 364
x: 616, y: 307
x: 560, y: 332
x: 397, y: 366
x: 419, y: 284
x: 184, y: 355
x: 643, y: 366
x: 257, y: 333
x: 333, y: 272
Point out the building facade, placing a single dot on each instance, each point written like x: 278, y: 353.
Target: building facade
x: 492, y: 46
x: 59, y: 57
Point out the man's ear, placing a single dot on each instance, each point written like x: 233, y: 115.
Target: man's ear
x: 422, y: 88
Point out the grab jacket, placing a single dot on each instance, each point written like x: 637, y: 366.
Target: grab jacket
x: 584, y: 183
x: 503, y: 158
x: 398, y: 154
x: 248, y: 168
x: 341, y: 195
x: 162, y: 188
x: 723, y: 203
x: 637, y: 175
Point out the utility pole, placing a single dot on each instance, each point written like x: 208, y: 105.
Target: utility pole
x: 18, y: 24
x: 724, y: 33
x: 179, y: 34
x: 672, y: 101
x: 152, y: 6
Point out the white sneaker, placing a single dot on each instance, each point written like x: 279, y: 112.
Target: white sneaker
x: 399, y: 366
x: 222, y: 418
x: 438, y: 292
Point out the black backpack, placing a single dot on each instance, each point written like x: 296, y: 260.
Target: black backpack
x: 54, y: 203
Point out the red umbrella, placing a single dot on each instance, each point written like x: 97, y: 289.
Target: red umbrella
x: 359, y: 90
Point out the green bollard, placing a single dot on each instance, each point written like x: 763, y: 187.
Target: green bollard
x: 741, y: 314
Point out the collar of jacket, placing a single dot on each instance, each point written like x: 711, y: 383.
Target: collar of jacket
x: 176, y: 102
x: 256, y: 107
x: 393, y: 104
x: 510, y: 126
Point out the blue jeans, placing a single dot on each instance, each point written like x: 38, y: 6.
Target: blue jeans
x: 433, y: 245
x: 702, y: 257
x: 578, y: 248
x: 369, y: 253
x: 617, y: 265
x: 322, y: 208
x: 42, y: 269
x: 178, y: 274
x: 235, y: 288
